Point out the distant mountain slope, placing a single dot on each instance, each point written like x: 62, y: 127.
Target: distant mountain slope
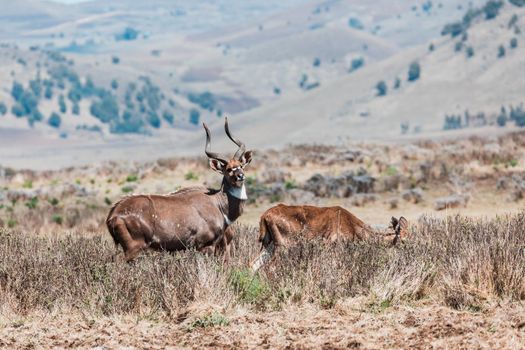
x: 451, y: 83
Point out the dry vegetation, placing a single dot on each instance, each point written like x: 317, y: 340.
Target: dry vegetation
x: 460, y: 263
x: 456, y: 282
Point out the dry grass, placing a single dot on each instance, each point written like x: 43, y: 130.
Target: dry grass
x: 459, y: 262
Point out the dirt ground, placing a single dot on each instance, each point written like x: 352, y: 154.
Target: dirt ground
x: 348, y: 325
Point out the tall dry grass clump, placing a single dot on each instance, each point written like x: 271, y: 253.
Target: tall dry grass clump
x: 459, y: 262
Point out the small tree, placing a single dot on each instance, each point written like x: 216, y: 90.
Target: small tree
x: 381, y: 88
x: 76, y: 108
x: 501, y: 51
x: 114, y: 84
x: 470, y: 51
x: 414, y: 71
x: 62, y: 104
x: 54, y: 120
x: 194, y: 116
x: 513, y: 43
x: 492, y: 8
x: 397, y: 83
x: 3, y: 108
x: 317, y: 62
x: 357, y: 63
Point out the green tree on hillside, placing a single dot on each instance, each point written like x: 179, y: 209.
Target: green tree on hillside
x: 194, y: 116
x: 54, y: 120
x: 381, y: 88
x: 414, y: 71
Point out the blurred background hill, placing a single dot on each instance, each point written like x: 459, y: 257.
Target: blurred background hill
x: 93, y: 80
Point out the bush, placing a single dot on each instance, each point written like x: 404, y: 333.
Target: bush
x: 458, y: 46
x: 458, y: 262
x: 381, y: 88
x: 513, y: 43
x: 153, y: 119
x: 452, y: 122
x: 454, y: 29
x: 3, y: 108
x: 414, y: 71
x: 54, y: 120
x: 62, y: 104
x: 518, y: 3
x: 114, y: 84
x: 501, y: 51
x: 357, y: 63
x: 205, y: 100
x: 431, y: 47
x: 105, y: 109
x: 518, y: 115
x: 76, y: 109
x: 355, y: 23
x: 470, y: 51
x: 194, y: 116
x: 57, y: 219
x: 168, y: 116
x: 17, y: 90
x: 128, y: 34
x: 317, y: 62
x: 492, y: 8
x: 115, y: 60
x: 397, y: 83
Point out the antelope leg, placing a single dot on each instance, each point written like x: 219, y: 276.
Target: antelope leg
x: 265, y: 256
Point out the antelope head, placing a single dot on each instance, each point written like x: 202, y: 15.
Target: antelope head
x: 232, y: 169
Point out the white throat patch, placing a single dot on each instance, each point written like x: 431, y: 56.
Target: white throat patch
x: 239, y: 193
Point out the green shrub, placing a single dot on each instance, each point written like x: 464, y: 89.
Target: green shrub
x: 168, y: 116
x: 470, y: 51
x: 190, y: 175
x: 414, y: 71
x: 381, y: 88
x: 357, y: 63
x: 54, y: 120
x: 513, y: 43
x: 127, y: 189
x: 3, y: 108
x: 132, y: 178
x: 501, y: 51
x: 518, y: 3
x: 492, y: 8
x: 53, y: 201
x: 249, y: 288
x: 212, y: 320
x: 194, y: 116
x: 57, y: 219
x: 32, y: 203
x: 205, y: 100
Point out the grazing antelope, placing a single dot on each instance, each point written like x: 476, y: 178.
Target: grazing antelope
x: 194, y: 217
x: 281, y: 224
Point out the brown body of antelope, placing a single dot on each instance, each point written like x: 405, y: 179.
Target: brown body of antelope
x: 281, y: 224
x: 194, y: 217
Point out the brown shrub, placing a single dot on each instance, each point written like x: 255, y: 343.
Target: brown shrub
x: 460, y: 262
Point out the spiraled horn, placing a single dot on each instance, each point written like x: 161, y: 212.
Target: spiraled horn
x: 239, y: 143
x: 207, y: 149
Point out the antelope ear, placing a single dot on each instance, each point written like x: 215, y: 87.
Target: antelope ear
x: 246, y: 158
x: 217, y: 166
x: 394, y: 222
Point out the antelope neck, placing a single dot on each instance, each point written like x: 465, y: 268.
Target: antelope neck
x: 232, y: 202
